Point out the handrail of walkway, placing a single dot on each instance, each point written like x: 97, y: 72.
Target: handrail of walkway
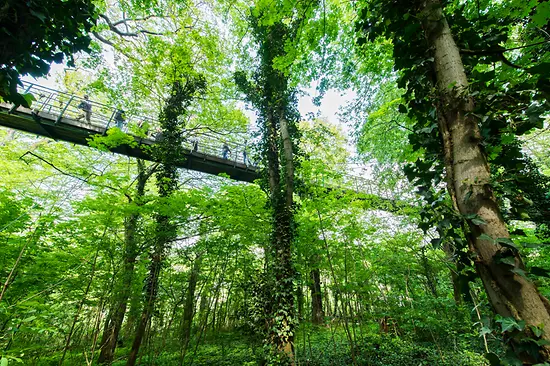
x: 66, y: 105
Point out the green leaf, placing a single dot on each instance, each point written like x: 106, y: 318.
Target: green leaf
x: 507, y: 242
x: 536, y: 330
x: 478, y: 221
x: 508, y: 323
x: 467, y: 196
x: 38, y: 14
x: 508, y: 261
x: 542, y: 14
x: 519, y: 272
x: 4, y: 361
x: 29, y: 98
x: 475, y: 219
x: 486, y: 237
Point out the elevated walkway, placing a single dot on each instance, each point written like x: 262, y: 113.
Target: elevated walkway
x: 57, y: 115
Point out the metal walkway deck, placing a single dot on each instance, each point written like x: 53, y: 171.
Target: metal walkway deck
x: 57, y: 115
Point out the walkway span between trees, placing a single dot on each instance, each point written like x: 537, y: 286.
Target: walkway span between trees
x: 54, y: 114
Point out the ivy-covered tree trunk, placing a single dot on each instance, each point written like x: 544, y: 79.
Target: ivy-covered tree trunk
x: 169, y: 152
x: 276, y: 102
x: 511, y: 294
x: 165, y: 232
x: 122, y: 293
x: 282, y: 297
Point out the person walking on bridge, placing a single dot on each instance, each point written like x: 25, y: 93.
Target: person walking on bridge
x: 86, y: 107
x: 225, y: 151
x: 119, y: 118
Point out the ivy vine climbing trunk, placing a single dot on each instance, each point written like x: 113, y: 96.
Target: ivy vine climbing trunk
x: 276, y: 103
x: 511, y: 294
x: 168, y: 152
x: 123, y: 290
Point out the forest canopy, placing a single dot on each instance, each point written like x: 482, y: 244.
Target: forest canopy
x: 275, y: 183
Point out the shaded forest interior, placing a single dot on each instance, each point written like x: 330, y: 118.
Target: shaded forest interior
x: 440, y: 106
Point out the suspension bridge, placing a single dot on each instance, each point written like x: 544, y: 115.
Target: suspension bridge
x: 57, y: 115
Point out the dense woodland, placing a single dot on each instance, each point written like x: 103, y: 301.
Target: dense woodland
x: 441, y: 256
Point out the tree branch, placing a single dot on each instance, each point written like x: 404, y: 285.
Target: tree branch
x: 114, y: 29
x: 492, y: 51
x: 85, y: 180
x: 102, y: 39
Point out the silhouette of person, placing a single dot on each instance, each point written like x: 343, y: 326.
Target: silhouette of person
x: 86, y: 107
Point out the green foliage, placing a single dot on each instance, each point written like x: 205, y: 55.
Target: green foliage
x: 34, y: 34
x: 388, y: 297
x: 382, y: 350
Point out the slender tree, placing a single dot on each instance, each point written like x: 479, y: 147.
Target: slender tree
x: 123, y: 290
x: 168, y: 152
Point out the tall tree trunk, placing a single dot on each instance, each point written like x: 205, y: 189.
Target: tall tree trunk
x: 169, y: 152
x: 282, y: 298
x: 510, y: 294
x: 152, y: 283
x: 110, y: 335
x: 317, y: 313
x: 189, y: 309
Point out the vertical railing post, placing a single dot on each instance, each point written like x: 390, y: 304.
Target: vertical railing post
x: 44, y: 103
x: 64, y: 110
x: 109, y: 123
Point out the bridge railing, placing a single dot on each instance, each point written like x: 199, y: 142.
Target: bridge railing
x: 66, y: 108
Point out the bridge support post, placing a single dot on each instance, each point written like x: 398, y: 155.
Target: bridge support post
x: 64, y: 109
x: 109, y: 123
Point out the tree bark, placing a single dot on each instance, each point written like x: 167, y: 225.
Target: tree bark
x: 189, y: 309
x: 281, y: 243
x: 118, y: 311
x: 317, y: 313
x: 510, y: 294
x: 152, y: 285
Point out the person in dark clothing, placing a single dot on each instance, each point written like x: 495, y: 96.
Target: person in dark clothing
x: 195, y: 145
x: 225, y: 151
x: 86, y: 107
x: 158, y: 135
x: 119, y: 118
